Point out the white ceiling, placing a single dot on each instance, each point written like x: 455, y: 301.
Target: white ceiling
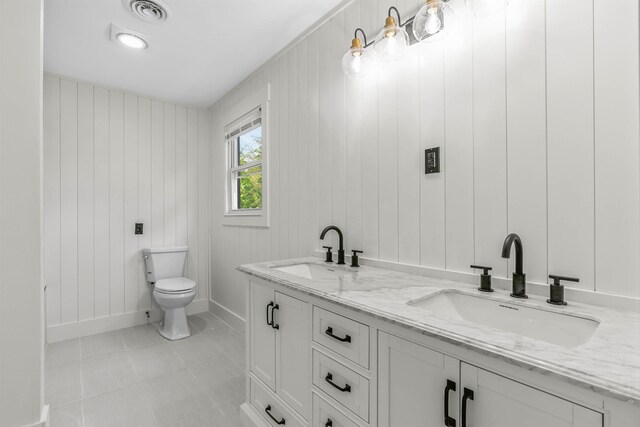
x: 204, y: 50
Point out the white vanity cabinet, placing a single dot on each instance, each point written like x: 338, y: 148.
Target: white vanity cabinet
x: 500, y: 401
x: 311, y: 362
x: 280, y: 345
x: 411, y: 384
x: 417, y: 385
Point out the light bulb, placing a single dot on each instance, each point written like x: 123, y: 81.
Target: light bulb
x: 433, y: 23
x: 358, y: 61
x: 392, y: 41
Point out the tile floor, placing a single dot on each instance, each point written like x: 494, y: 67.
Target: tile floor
x: 134, y: 377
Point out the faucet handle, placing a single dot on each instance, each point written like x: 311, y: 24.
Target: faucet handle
x: 485, y: 278
x: 557, y: 279
x: 481, y: 267
x: 556, y: 290
x: 354, y: 258
x: 329, y: 256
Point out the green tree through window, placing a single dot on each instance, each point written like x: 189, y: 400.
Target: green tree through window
x: 250, y: 180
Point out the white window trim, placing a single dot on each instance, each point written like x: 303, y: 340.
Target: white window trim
x: 248, y: 217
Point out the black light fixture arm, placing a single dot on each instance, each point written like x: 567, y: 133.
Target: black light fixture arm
x: 393, y: 8
x: 364, y: 37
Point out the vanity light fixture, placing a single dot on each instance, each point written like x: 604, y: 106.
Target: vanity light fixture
x: 433, y: 21
x: 435, y: 17
x: 358, y: 61
x: 393, y: 41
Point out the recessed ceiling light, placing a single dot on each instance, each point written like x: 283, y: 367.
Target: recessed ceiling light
x: 131, y: 40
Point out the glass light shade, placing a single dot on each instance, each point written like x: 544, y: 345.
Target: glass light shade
x: 132, y: 41
x: 358, y: 61
x: 392, y: 42
x: 433, y: 21
x: 484, y: 8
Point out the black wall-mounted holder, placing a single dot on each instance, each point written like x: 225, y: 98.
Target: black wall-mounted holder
x: 432, y: 160
x: 139, y: 229
x: 485, y: 278
x: 556, y: 290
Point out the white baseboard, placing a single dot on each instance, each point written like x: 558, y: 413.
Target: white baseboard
x: 250, y: 418
x: 235, y: 321
x: 44, y: 418
x: 111, y: 323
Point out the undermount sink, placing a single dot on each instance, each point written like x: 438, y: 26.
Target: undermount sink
x: 556, y: 328
x: 312, y: 271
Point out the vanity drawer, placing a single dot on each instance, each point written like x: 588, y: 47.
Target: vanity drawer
x: 347, y: 387
x: 342, y: 335
x: 325, y: 414
x: 267, y: 404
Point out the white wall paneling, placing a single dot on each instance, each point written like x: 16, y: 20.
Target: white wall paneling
x: 370, y: 154
x: 387, y: 151
x: 570, y: 139
x: 409, y: 160
x: 526, y: 132
x: 617, y: 173
x: 536, y: 113
x: 112, y: 159
x: 432, y: 134
x: 458, y: 155
x: 489, y: 141
x: 21, y: 191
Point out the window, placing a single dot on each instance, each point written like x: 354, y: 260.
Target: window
x: 245, y: 139
x: 244, y: 146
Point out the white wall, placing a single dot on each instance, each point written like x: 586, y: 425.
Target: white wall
x: 112, y: 159
x: 535, y: 109
x: 21, y: 290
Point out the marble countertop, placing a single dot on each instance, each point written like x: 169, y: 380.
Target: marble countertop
x: 608, y: 363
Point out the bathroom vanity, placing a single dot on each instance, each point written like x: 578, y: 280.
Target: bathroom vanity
x: 332, y: 346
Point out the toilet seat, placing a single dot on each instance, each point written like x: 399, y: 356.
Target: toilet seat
x: 175, y: 285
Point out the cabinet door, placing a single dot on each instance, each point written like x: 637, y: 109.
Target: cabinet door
x: 262, y: 357
x: 411, y: 384
x: 499, y: 401
x: 293, y: 358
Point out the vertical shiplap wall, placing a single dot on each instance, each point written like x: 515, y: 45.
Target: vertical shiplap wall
x: 112, y: 159
x: 536, y: 111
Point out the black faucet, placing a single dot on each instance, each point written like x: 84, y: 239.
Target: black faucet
x: 341, y: 249
x: 519, y: 278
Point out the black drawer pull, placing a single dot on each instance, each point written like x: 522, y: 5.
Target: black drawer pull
x: 274, y: 325
x: 468, y: 394
x: 269, y: 322
x: 329, y: 379
x: 329, y: 423
x: 448, y: 421
x: 275, y: 420
x: 329, y: 331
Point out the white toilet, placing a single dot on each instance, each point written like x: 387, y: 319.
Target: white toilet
x: 172, y: 291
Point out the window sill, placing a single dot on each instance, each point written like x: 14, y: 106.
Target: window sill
x: 249, y: 219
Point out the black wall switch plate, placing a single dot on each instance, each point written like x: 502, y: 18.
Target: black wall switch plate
x: 432, y: 160
x: 139, y: 228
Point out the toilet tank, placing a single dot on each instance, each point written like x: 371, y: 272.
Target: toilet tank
x: 164, y: 263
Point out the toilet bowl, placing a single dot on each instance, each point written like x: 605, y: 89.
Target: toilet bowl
x: 173, y: 296
x: 171, y: 291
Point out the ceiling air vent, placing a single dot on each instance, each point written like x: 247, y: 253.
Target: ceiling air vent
x: 148, y: 10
